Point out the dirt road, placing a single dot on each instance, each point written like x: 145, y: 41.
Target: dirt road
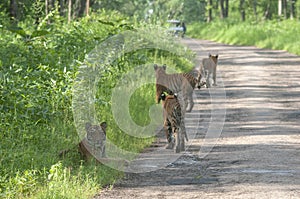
x: 258, y: 152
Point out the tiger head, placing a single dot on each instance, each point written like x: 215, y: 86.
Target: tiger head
x: 167, y: 94
x: 160, y: 89
x: 214, y: 58
x: 160, y: 69
x: 95, y: 132
x: 96, y: 138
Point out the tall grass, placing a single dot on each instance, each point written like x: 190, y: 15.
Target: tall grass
x: 37, y: 72
x: 279, y: 35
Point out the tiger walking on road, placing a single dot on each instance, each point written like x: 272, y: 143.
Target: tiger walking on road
x: 177, y: 82
x: 208, y: 68
x: 173, y: 122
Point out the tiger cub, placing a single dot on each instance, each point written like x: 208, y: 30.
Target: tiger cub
x: 93, y: 143
x: 208, y: 68
x: 173, y: 122
x: 176, y: 82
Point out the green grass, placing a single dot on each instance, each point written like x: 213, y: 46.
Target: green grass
x: 37, y: 74
x: 279, y: 35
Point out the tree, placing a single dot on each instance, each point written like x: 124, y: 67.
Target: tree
x: 87, y: 7
x: 222, y: 11
x: 209, y: 17
x: 13, y: 9
x: 224, y: 4
x: 69, y: 10
x: 226, y: 8
x: 284, y: 2
x: 242, y: 10
x: 267, y: 13
x: 254, y: 5
x: 292, y: 9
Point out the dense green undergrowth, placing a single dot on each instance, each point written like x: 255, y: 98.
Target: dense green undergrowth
x: 38, y: 66
x: 279, y: 35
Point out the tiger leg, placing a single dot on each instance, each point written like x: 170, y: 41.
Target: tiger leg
x: 191, y: 101
x: 168, y: 132
x: 185, y: 99
x: 183, y: 135
x: 207, y: 74
x: 215, y: 77
x: 182, y: 144
x: 207, y: 82
x: 177, y: 140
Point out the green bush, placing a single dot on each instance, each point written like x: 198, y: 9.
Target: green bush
x: 278, y: 35
x: 38, y: 68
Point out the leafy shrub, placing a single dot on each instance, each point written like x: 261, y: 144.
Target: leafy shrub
x: 38, y: 68
x: 266, y: 34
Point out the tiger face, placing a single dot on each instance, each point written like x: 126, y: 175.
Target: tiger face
x: 214, y: 58
x: 95, y: 140
x: 160, y: 69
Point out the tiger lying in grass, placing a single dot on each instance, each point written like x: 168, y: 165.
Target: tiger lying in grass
x: 208, y: 68
x: 93, y: 147
x: 173, y: 122
x: 177, y: 82
x: 94, y: 143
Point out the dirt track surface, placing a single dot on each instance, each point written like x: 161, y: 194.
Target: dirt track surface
x: 258, y: 153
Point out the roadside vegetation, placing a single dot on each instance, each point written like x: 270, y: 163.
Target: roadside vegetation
x: 274, y: 34
x: 43, y: 44
x: 39, y: 64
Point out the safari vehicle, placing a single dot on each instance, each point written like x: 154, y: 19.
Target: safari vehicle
x: 176, y: 27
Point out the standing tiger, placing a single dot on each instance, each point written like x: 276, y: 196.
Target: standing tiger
x: 184, y: 82
x: 208, y: 68
x: 173, y: 122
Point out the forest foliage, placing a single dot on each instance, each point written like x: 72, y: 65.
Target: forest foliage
x: 44, y: 42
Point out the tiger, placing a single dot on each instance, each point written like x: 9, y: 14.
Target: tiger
x: 93, y: 143
x: 208, y: 68
x: 177, y: 82
x: 173, y: 122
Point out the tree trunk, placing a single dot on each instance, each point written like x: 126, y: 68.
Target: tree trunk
x: 254, y: 9
x: 292, y: 9
x: 46, y: 7
x: 279, y: 8
x: 62, y: 7
x: 13, y: 9
x: 242, y: 10
x: 284, y: 5
x: 267, y: 14
x: 87, y: 7
x: 69, y: 10
x: 226, y: 8
x: 209, y: 17
x: 222, y: 11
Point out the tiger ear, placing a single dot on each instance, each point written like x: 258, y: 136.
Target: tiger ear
x: 209, y: 55
x: 87, y: 126
x: 164, y: 66
x: 103, y: 126
x: 155, y: 66
x: 217, y: 56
